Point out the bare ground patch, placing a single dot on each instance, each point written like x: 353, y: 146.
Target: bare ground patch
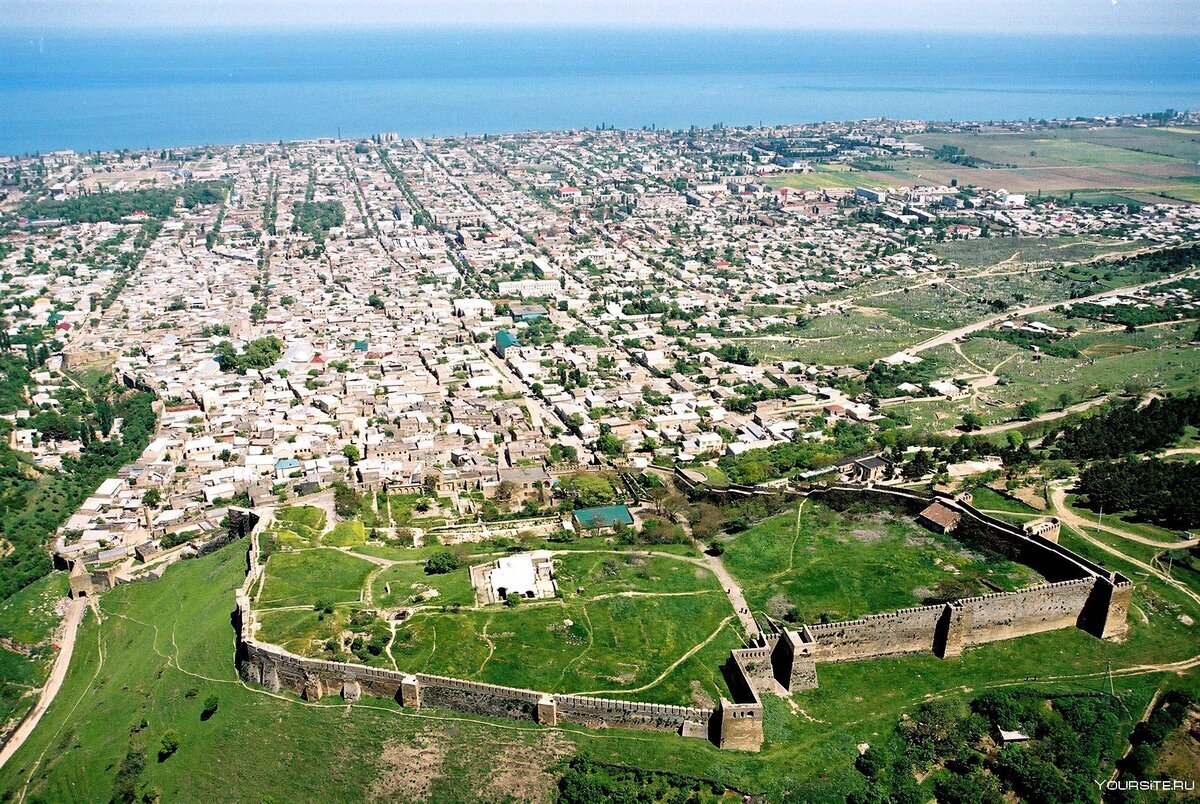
x: 521, y: 770
x: 409, y: 769
x: 869, y: 535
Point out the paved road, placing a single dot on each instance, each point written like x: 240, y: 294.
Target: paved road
x: 955, y: 334
x: 58, y: 672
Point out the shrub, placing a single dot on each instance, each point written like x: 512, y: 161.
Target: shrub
x: 441, y: 562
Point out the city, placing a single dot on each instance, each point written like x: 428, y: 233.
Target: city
x: 436, y: 380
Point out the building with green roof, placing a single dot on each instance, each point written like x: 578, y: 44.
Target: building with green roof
x: 505, y: 340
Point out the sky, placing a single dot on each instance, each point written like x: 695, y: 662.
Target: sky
x: 1144, y: 17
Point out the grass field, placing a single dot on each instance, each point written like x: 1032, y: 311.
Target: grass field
x: 984, y: 252
x: 27, y: 620
x: 345, y: 534
x: 406, y: 584
x: 859, y: 334
x: 303, y: 578
x: 839, y: 567
x: 621, y: 622
x: 164, y: 646
x: 604, y: 645
x: 988, y: 500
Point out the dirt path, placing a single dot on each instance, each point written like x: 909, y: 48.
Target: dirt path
x: 58, y: 672
x: 1045, y: 417
x: 1058, y: 499
x: 1078, y: 525
x: 954, y: 334
x: 669, y: 669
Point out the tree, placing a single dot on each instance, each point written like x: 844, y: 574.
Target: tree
x: 104, y: 416
x: 610, y: 445
x: 1029, y: 410
x: 351, y: 453
x: 168, y: 745
x: 512, y: 600
x: 345, y: 499
x: 921, y: 465
x: 706, y: 520
x: 441, y: 562
x: 152, y: 497
x: 506, y: 490
x: 210, y: 707
x: 971, y: 421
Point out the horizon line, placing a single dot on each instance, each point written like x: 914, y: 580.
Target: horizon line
x: 21, y: 29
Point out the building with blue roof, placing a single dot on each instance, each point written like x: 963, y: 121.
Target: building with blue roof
x: 605, y: 517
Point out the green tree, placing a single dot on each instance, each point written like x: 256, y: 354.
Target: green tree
x: 441, y: 562
x: 1029, y: 410
x: 168, y: 745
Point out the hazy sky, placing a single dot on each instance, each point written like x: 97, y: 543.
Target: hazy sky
x: 1018, y: 16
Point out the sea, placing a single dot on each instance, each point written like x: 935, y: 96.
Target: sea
x: 101, y: 90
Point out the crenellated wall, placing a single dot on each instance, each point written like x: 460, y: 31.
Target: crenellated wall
x: 1080, y: 594
x: 890, y: 634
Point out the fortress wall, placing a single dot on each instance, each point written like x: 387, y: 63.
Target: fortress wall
x: 606, y: 713
x: 276, y: 668
x: 478, y: 699
x: 1081, y: 594
x: 1053, y: 561
x: 1046, y: 607
x: 754, y: 665
x: 904, y: 631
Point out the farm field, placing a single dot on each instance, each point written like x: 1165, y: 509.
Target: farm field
x: 829, y: 176
x: 840, y: 566
x: 1155, y: 164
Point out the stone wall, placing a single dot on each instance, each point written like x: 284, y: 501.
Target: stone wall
x: 1079, y: 594
x: 606, y: 713
x: 897, y: 632
x: 1046, y: 607
x: 278, y: 669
